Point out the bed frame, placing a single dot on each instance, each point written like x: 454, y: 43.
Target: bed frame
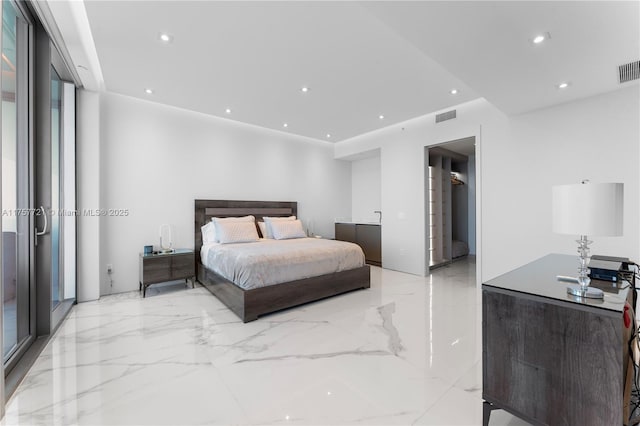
x: 250, y: 304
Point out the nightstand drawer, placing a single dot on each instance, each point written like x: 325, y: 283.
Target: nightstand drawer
x: 156, y: 270
x: 182, y: 266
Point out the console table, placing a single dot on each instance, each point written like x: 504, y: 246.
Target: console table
x: 551, y: 358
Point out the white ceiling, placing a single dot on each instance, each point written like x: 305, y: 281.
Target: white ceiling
x: 359, y: 59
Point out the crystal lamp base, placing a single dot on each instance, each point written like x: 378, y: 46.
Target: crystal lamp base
x: 589, y: 292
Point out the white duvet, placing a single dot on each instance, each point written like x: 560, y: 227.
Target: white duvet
x: 268, y: 262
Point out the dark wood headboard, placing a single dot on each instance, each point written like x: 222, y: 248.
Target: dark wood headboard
x: 206, y: 209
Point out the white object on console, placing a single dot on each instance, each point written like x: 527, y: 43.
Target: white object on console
x: 166, y: 243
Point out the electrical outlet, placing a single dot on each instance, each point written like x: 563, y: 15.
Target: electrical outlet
x: 109, y: 268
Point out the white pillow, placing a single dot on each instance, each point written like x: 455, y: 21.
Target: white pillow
x: 208, y: 233
x: 287, y: 229
x: 268, y: 220
x: 236, y: 232
x: 216, y: 220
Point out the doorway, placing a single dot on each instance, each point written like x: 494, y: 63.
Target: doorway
x: 450, y: 171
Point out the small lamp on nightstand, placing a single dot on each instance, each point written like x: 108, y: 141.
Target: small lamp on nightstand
x: 166, y: 243
x: 587, y: 209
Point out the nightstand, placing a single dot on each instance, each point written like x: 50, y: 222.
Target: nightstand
x: 161, y: 267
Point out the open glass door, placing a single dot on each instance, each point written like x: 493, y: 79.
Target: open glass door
x: 38, y: 274
x: 17, y: 200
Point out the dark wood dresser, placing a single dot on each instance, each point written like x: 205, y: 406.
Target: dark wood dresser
x: 161, y: 267
x: 548, y: 357
x: 366, y: 235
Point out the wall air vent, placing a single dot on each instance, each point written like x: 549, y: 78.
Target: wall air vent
x: 446, y: 116
x: 629, y: 72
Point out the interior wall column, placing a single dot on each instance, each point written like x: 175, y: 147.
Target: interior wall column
x: 88, y: 190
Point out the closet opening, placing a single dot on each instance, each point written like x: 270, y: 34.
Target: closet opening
x: 450, y: 171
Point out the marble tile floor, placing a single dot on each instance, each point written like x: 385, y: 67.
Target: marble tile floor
x: 406, y: 351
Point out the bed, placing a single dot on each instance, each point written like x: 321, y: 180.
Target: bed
x: 255, y: 300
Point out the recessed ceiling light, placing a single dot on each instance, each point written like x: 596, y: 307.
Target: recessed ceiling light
x: 381, y: 117
x: 328, y: 135
x: 539, y: 38
x: 453, y: 91
x: 563, y: 85
x: 305, y: 89
x: 165, y: 38
x: 228, y: 110
x: 285, y: 125
x: 148, y: 91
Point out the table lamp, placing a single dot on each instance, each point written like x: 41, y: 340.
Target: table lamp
x: 593, y: 209
x: 166, y: 241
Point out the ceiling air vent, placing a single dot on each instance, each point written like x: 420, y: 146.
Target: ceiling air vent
x: 446, y: 116
x: 629, y: 72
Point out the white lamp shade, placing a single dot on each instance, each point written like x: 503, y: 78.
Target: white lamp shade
x: 165, y: 237
x: 593, y: 209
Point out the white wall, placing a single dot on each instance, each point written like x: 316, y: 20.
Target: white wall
x: 365, y: 189
x: 69, y: 222
x: 596, y: 139
x: 402, y: 175
x: 88, y: 194
x: 156, y: 160
x: 519, y: 159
